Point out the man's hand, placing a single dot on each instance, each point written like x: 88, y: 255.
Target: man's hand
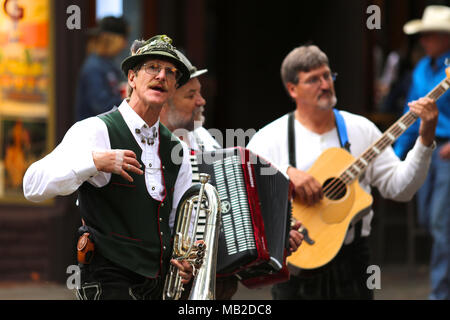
x: 427, y: 110
x: 295, y: 237
x: 185, y: 270
x: 444, y: 152
x: 307, y: 188
x: 118, y: 162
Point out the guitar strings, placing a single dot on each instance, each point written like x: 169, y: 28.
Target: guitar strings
x: 338, y: 185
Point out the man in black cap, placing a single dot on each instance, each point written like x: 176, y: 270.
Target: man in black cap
x: 128, y: 184
x: 100, y: 80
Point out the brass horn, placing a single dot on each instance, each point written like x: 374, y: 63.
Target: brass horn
x: 201, y: 255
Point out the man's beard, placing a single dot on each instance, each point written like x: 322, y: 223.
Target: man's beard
x: 192, y: 123
x: 199, y: 118
x: 328, y: 103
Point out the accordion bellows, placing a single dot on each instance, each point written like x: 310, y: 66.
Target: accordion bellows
x: 256, y: 215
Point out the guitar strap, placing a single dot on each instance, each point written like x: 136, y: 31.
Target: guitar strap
x: 291, y: 139
x: 340, y: 126
x: 342, y: 130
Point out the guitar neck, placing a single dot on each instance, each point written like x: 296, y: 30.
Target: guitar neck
x: 355, y: 170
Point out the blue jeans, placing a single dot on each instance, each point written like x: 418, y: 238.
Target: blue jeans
x: 433, y: 200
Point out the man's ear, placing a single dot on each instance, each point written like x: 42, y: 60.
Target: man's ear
x: 292, y: 89
x: 131, y: 77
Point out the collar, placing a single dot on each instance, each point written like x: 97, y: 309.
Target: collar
x: 137, y: 125
x: 440, y: 61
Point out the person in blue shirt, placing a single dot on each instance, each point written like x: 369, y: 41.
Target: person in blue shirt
x: 433, y: 199
x: 100, y: 80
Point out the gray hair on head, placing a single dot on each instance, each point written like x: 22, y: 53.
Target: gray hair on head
x: 304, y: 58
x: 135, y: 47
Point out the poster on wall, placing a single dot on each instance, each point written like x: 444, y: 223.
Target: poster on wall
x: 24, y: 88
x: 23, y: 142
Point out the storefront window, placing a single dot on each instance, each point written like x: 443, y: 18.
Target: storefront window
x: 26, y: 112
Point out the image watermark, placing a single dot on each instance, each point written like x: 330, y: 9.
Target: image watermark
x: 232, y: 138
x: 374, y: 280
x: 73, y: 21
x: 74, y: 279
x: 374, y: 20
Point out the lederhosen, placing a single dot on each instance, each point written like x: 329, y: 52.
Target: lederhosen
x: 129, y: 228
x: 345, y: 276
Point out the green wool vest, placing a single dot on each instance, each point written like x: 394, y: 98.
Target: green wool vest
x: 129, y: 227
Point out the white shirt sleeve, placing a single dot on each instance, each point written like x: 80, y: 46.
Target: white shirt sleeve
x: 70, y: 164
x: 400, y: 180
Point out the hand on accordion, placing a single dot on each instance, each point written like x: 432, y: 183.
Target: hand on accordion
x: 295, y: 237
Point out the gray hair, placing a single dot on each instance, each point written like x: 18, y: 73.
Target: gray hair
x: 304, y: 58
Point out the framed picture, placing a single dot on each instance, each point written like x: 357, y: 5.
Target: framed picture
x: 26, y: 91
x: 24, y: 141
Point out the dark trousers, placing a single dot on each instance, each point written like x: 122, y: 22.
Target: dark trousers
x: 345, y: 277
x: 104, y: 280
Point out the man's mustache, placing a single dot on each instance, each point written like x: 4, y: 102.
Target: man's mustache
x: 158, y: 85
x: 324, y: 92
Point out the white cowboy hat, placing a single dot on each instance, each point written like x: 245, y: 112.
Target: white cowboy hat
x: 435, y: 18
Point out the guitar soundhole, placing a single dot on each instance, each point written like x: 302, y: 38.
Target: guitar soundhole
x: 334, y: 189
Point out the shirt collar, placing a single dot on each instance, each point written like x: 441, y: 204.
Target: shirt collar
x: 141, y: 131
x: 135, y: 122
x: 440, y: 61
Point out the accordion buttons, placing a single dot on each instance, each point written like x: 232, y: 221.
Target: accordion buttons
x: 150, y: 165
x: 160, y: 219
x: 153, y: 188
x: 164, y: 248
x: 162, y: 233
x: 162, y: 204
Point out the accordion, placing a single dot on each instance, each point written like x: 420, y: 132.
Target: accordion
x: 254, y: 234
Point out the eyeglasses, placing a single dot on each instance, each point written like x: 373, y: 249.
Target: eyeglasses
x: 154, y: 68
x: 317, y: 80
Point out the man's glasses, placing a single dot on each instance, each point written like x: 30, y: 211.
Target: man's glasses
x: 317, y: 80
x: 154, y: 68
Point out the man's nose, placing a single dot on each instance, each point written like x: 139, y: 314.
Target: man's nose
x: 324, y: 83
x: 162, y: 74
x: 201, y: 101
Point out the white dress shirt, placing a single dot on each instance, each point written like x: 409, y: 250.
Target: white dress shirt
x: 395, y: 179
x: 70, y: 164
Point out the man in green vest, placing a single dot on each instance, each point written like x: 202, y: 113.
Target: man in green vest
x: 129, y: 182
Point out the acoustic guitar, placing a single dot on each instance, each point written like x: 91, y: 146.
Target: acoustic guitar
x: 325, y: 224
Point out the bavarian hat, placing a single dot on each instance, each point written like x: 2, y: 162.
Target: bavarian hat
x: 159, y: 46
x: 435, y: 18
x: 192, y: 69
